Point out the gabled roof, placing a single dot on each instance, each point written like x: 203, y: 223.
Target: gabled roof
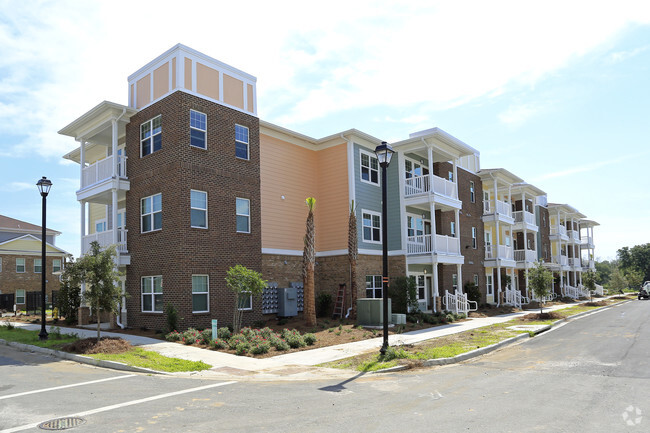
x: 13, y: 225
x: 50, y: 249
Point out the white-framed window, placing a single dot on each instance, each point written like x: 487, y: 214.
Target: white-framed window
x: 56, y: 265
x: 241, y: 142
x: 488, y: 285
x: 373, y: 286
x: 100, y: 225
x: 371, y: 222
x: 20, y: 296
x: 200, y: 294
x: 152, y: 294
x: 245, y: 301
x: 454, y: 281
x: 472, y: 191
x: 20, y: 266
x: 414, y: 169
x: 452, y: 229
x: 198, y: 209
x: 243, y: 210
x: 476, y: 280
x: 474, y: 241
x: 198, y: 129
x: 151, y: 213
x: 151, y: 136
x: 415, y: 226
x: 38, y: 266
x: 369, y: 168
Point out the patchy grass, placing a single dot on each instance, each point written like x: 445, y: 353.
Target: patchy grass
x: 55, y: 340
x: 138, y: 357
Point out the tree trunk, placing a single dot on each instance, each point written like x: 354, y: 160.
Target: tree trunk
x: 353, y: 248
x: 98, y: 323
x: 309, y: 259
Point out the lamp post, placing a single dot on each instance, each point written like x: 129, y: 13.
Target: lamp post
x: 384, y: 154
x: 44, y: 186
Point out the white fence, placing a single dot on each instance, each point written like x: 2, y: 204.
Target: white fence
x: 458, y: 303
x: 498, y: 251
x: 514, y: 298
x: 102, y: 170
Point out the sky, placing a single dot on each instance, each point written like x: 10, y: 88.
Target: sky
x: 556, y: 92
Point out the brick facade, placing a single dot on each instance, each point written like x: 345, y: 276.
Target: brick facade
x: 178, y: 251
x: 29, y: 281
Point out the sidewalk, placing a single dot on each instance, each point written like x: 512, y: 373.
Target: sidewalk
x: 296, y: 365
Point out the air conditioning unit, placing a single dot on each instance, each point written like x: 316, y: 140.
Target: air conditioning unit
x: 370, y: 311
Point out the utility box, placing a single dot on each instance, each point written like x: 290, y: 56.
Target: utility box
x: 287, y: 302
x: 398, y: 319
x: 370, y: 311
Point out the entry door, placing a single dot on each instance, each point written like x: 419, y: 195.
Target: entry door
x: 489, y: 289
x: 488, y: 244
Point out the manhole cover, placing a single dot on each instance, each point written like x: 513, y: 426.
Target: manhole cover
x: 61, y: 423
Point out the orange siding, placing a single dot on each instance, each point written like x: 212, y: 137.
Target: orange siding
x: 188, y: 73
x: 161, y: 81
x: 332, y: 208
x: 173, y: 73
x: 233, y: 91
x: 144, y: 91
x: 207, y: 81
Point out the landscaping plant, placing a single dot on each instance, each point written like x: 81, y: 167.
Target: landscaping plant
x: 309, y: 261
x: 243, y: 281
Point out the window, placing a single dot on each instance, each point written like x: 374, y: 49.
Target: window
x: 472, y: 197
x: 529, y: 244
x: 38, y: 266
x: 198, y: 129
x: 199, y: 209
x: 151, y: 136
x: 20, y: 296
x: 488, y: 285
x: 421, y: 288
x: 452, y: 229
x: 20, y: 266
x: 413, y: 169
x: 152, y: 294
x: 371, y: 227
x: 369, y: 168
x: 415, y: 227
x: 151, y: 213
x: 100, y: 226
x: 474, y: 243
x: 241, y: 142
x: 243, y: 215
x: 245, y: 301
x: 56, y: 265
x: 454, y: 281
x: 373, y: 286
x: 476, y: 280
x: 450, y: 176
x: 200, y: 292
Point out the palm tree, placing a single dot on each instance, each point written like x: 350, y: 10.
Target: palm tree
x: 308, y: 261
x: 353, y: 248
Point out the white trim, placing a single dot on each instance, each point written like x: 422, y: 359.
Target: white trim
x: 41, y: 260
x: 152, y: 213
x: 204, y: 131
x: 33, y: 252
x: 207, y: 293
x: 198, y: 208
x: 330, y: 253
x: 371, y: 156
x: 246, y: 215
x: 24, y: 265
x: 372, y: 227
x: 250, y: 300
x: 152, y: 294
x: 248, y: 142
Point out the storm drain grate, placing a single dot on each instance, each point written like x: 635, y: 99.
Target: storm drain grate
x: 61, y: 423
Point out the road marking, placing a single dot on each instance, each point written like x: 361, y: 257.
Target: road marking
x: 20, y: 394
x: 116, y: 406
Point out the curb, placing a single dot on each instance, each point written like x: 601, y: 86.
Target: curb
x: 80, y: 358
x: 487, y: 349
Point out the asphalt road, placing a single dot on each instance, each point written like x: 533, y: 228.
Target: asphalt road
x: 590, y: 375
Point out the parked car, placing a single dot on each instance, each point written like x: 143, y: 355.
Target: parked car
x: 645, y: 291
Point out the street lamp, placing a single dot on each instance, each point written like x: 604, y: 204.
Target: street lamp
x: 44, y: 186
x: 384, y: 154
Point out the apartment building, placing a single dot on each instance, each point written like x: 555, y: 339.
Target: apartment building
x: 187, y: 181
x: 21, y: 262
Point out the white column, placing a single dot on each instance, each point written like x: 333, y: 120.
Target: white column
x: 114, y: 147
x: 459, y: 282
x: 434, y: 247
x: 82, y: 162
x: 436, y: 292
x: 496, y: 196
x: 114, y: 212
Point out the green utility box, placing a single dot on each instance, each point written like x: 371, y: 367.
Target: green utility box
x: 370, y: 311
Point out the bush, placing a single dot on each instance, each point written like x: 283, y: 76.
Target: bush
x: 323, y: 304
x: 171, y: 315
x: 293, y: 338
x: 174, y: 336
x: 310, y: 339
x: 449, y: 317
x: 403, y: 293
x: 205, y: 336
x: 278, y: 343
x: 473, y: 292
x: 218, y: 344
x: 224, y: 333
x: 190, y: 336
x: 393, y: 353
x: 241, y: 348
x: 68, y: 301
x: 259, y: 345
x: 235, y: 340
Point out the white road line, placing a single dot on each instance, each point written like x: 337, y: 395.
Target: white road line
x: 116, y: 406
x: 65, y: 386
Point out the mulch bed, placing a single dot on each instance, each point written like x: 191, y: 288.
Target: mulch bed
x: 105, y: 345
x: 543, y: 316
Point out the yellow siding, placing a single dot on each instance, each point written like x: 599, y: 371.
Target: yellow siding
x: 233, y: 91
x: 207, y: 81
x: 95, y: 212
x: 161, y: 81
x: 144, y: 91
x: 332, y: 201
x: 28, y: 245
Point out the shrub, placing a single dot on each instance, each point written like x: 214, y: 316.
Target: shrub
x: 224, y: 333
x: 473, y: 292
x: 174, y: 336
x: 259, y: 345
x: 449, y: 317
x: 393, y: 353
x: 205, y: 336
x: 190, y: 336
x: 235, y: 340
x: 323, y: 304
x: 218, y: 344
x: 242, y: 348
x: 171, y: 315
x: 310, y: 339
x: 403, y: 292
x: 293, y: 338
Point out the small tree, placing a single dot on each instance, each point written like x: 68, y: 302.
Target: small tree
x: 97, y: 269
x: 617, y: 281
x: 243, y: 281
x: 540, y: 280
x: 634, y: 277
x: 353, y: 250
x: 589, y: 280
x: 309, y: 260
x: 403, y: 293
x: 69, y: 298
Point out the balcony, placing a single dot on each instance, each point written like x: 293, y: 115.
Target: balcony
x: 525, y: 219
x: 105, y: 239
x: 526, y: 255
x: 493, y: 252
x: 423, y: 186
x: 587, y: 241
x: 501, y: 208
x: 424, y: 245
x: 574, y: 236
x: 563, y: 261
x: 575, y: 263
x: 97, y: 178
x: 589, y: 264
x: 559, y: 232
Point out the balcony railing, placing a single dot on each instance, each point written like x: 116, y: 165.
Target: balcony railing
x: 524, y: 216
x: 587, y: 240
x: 502, y: 208
x: 493, y: 252
x: 105, y: 239
x: 525, y: 255
x: 576, y: 263
x: 589, y: 264
x: 422, y: 184
x: 561, y: 230
x: 424, y: 245
x: 563, y: 261
x: 574, y: 235
x: 102, y: 170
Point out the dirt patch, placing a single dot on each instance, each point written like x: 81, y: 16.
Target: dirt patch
x: 105, y: 345
x: 596, y: 304
x: 551, y: 315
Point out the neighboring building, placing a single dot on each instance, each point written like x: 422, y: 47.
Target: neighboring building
x: 21, y: 262
x: 209, y: 185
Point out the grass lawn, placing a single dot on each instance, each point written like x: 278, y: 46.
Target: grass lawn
x: 54, y: 341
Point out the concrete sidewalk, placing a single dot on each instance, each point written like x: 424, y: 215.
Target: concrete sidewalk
x: 296, y: 365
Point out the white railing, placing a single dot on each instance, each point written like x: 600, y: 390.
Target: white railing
x: 458, y: 303
x: 502, y: 208
x: 106, y: 239
x: 589, y: 264
x: 587, y: 240
x: 500, y: 252
x: 547, y: 298
x: 423, y: 244
x: 524, y: 216
x: 576, y: 263
x: 574, y: 235
x: 574, y: 292
x: 525, y: 255
x: 102, y: 170
x: 422, y: 184
x: 564, y: 261
x: 514, y: 298
x: 600, y: 290
x: 561, y: 230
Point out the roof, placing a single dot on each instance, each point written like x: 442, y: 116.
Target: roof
x: 8, y: 224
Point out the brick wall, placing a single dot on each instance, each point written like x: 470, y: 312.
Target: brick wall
x: 10, y: 280
x: 178, y: 251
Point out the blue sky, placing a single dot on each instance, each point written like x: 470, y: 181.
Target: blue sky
x: 557, y: 94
